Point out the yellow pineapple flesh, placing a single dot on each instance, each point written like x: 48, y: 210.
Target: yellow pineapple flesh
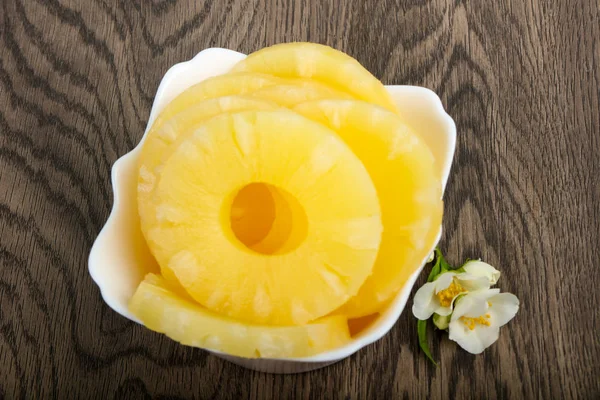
x: 403, y: 171
x: 316, y: 248
x: 217, y: 86
x: 163, y: 310
x: 320, y: 63
x: 167, y: 134
x: 266, y: 220
x: 297, y: 91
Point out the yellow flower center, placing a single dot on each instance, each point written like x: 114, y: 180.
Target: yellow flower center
x: 472, y: 322
x: 447, y: 295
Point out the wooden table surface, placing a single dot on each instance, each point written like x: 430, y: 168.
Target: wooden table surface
x: 521, y: 78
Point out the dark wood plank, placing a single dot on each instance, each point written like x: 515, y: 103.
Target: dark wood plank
x: 520, y: 77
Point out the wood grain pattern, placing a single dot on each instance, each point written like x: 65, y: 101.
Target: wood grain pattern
x: 520, y: 77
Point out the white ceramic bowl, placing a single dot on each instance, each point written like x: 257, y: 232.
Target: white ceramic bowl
x: 119, y: 258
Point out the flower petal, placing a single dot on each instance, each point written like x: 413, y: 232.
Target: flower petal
x: 473, y: 282
x: 480, y: 268
x: 504, y: 307
x: 473, y: 304
x: 425, y: 302
x: 474, y: 341
x: 443, y: 281
x: 443, y: 311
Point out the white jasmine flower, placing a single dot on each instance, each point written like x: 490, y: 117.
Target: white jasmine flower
x: 438, y: 296
x: 477, y: 318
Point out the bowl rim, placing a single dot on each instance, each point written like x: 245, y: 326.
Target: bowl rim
x: 392, y: 312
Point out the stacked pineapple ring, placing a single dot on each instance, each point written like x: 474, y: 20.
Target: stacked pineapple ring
x: 281, y: 199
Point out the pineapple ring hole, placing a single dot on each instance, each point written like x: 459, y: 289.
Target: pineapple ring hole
x: 268, y: 219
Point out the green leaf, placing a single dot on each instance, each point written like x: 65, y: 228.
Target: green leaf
x: 444, y: 264
x: 436, y: 270
x: 422, y: 330
x: 439, y: 267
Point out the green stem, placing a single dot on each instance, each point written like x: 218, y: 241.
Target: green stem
x: 422, y: 331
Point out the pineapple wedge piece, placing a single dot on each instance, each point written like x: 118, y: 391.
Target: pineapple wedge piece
x: 163, y: 310
x: 403, y: 170
x: 321, y: 63
x: 327, y: 239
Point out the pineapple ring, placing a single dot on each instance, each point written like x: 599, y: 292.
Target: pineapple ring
x: 169, y: 126
x: 168, y: 133
x: 184, y: 111
x: 298, y: 91
x: 163, y: 310
x: 239, y: 84
x: 402, y: 168
x: 216, y: 86
x: 169, y: 129
x: 335, y: 229
x: 321, y: 63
